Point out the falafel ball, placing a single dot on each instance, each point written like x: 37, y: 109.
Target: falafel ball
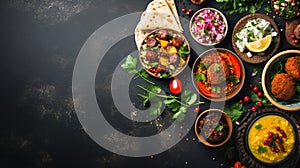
x: 292, y: 67
x: 217, y: 73
x: 283, y: 86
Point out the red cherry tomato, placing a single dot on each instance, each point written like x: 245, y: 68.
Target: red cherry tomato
x: 175, y: 86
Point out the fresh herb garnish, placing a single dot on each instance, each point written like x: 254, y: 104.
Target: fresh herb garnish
x: 216, y: 89
x: 130, y: 66
x: 235, y: 111
x: 237, y: 6
x: 254, y: 72
x: 216, y: 67
x: 233, y: 79
x: 183, y: 51
x: 262, y: 149
x: 200, y: 77
x: 219, y: 127
x: 264, y: 100
x: 258, y: 127
x: 176, y: 104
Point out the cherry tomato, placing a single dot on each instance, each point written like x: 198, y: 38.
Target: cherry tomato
x: 246, y: 98
x: 255, y: 89
x: 175, y: 86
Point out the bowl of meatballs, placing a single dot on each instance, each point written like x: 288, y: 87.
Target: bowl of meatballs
x: 164, y: 53
x: 218, y: 74
x: 281, y: 80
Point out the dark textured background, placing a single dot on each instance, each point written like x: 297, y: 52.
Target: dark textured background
x: 40, y: 40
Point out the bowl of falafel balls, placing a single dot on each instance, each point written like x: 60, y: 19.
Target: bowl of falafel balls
x: 281, y: 80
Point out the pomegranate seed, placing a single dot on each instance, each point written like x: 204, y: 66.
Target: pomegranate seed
x: 253, y: 108
x: 284, y: 135
x: 265, y: 142
x: 246, y: 98
x: 277, y: 140
x: 296, y: 41
x: 196, y: 109
x: 271, y: 134
x: 277, y: 12
x: 293, y: 36
x: 190, y: 10
x: 273, y: 149
x: 278, y: 128
x: 281, y: 131
x: 187, y: 13
x: 183, y: 10
x: 260, y: 94
x: 270, y: 140
x: 259, y: 103
x: 276, y: 150
x: 241, y: 102
x: 180, y: 134
x: 255, y: 89
x: 251, y: 86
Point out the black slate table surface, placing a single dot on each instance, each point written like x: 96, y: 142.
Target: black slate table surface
x: 40, y: 41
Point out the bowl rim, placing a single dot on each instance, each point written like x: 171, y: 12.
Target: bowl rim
x: 271, y: 114
x: 256, y: 58
x: 228, y: 120
x: 196, y: 13
x: 263, y: 79
x: 186, y: 62
x: 227, y: 97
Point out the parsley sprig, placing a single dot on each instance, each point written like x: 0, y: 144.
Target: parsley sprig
x: 240, y: 6
x: 130, y: 66
x: 176, y: 104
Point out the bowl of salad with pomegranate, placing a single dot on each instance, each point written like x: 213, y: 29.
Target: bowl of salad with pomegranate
x: 208, y: 26
x: 164, y: 53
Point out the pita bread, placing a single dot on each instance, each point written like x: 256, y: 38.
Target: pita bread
x: 157, y: 15
x: 172, y: 6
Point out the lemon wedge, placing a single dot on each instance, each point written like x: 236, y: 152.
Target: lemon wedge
x: 259, y: 45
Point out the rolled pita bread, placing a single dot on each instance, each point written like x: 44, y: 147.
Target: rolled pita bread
x: 157, y: 15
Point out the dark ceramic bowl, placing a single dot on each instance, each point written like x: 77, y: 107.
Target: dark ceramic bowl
x: 261, y: 134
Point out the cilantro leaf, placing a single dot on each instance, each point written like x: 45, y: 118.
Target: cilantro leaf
x: 233, y: 79
x: 258, y: 127
x: 200, y: 77
x: 235, y: 111
x: 262, y: 149
x: 130, y: 64
x: 155, y: 109
x: 216, y: 67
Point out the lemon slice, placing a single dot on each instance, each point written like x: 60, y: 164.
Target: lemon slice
x: 259, y: 45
